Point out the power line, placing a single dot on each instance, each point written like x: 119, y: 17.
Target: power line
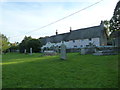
x: 60, y: 19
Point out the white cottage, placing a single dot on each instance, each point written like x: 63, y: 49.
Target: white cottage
x: 78, y: 38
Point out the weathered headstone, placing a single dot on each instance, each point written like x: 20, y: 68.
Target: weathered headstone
x: 25, y: 51
x: 95, y: 50
x: 83, y: 51
x: 49, y: 53
x: 30, y: 51
x: 105, y: 51
x: 53, y: 48
x: 63, y: 52
x: 57, y: 49
x: 41, y: 50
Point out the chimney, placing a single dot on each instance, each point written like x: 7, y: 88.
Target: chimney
x: 102, y: 23
x: 56, y: 32
x: 70, y: 29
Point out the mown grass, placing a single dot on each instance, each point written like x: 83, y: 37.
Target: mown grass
x: 78, y: 71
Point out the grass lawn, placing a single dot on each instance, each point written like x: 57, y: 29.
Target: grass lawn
x: 78, y: 71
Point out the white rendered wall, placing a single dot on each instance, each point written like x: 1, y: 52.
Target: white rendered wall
x: 76, y: 43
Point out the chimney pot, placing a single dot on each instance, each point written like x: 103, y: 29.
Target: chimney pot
x: 56, y: 32
x: 70, y: 29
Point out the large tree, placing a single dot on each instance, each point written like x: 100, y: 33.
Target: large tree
x: 23, y: 44
x: 115, y: 20
x: 106, y: 26
x: 4, y: 43
x: 29, y: 42
x: 35, y: 44
x: 115, y: 26
x: 14, y: 47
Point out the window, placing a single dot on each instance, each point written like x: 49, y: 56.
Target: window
x: 67, y: 40
x: 75, y: 46
x: 90, y: 44
x: 81, y: 45
x: 87, y: 45
x: 90, y: 39
x: 74, y: 41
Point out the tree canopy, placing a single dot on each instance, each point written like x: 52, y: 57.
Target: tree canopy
x: 34, y: 44
x: 14, y: 47
x: 29, y: 42
x: 115, y: 20
x: 4, y: 43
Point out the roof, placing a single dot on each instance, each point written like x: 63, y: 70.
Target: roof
x: 84, y: 33
x: 91, y: 32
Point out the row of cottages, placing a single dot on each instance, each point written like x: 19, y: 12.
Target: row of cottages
x: 78, y: 38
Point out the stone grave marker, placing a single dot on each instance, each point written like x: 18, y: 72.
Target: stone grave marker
x: 25, y: 51
x: 41, y: 50
x: 82, y: 51
x: 57, y: 49
x: 63, y: 52
x: 30, y: 51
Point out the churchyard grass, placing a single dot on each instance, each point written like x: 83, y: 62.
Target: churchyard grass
x: 78, y: 71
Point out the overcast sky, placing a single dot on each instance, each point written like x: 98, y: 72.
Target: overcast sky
x: 18, y: 18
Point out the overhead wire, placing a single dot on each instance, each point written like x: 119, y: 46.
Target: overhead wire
x: 60, y: 19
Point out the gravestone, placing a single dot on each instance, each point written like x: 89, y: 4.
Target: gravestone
x: 41, y: 50
x: 95, y: 50
x: 57, y: 49
x: 49, y: 53
x: 25, y: 51
x: 88, y: 49
x: 53, y: 48
x: 30, y: 51
x: 105, y: 52
x: 83, y: 52
x: 63, y: 51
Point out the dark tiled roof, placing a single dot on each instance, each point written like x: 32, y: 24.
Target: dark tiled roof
x: 91, y: 32
x: 84, y: 33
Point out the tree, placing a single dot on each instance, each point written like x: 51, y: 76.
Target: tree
x: 115, y: 26
x: 14, y: 47
x: 23, y: 44
x: 115, y: 20
x: 4, y: 43
x: 34, y: 44
x: 106, y: 26
x: 29, y: 42
x: 0, y: 43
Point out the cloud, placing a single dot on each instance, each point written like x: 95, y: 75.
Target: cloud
x: 49, y: 0
x: 21, y: 17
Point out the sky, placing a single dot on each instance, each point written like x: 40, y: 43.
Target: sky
x: 19, y: 18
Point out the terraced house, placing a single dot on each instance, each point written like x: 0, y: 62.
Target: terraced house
x: 79, y: 38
